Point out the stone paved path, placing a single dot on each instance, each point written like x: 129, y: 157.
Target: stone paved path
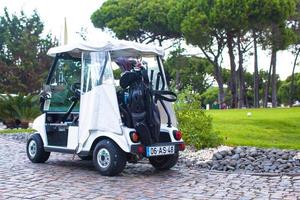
x: 64, y: 178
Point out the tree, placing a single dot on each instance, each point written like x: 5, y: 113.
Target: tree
x: 23, y: 60
x: 295, y: 26
x: 139, y: 20
x: 277, y: 37
x: 284, y: 89
x: 231, y: 16
x: 257, y: 22
x: 236, y: 19
x: 196, y: 21
x: 187, y: 70
x: 146, y: 21
x: 262, y: 15
x: 292, y: 86
x: 211, y: 26
x: 209, y: 96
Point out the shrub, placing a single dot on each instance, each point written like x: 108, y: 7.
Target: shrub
x: 194, y: 123
x: 18, y: 110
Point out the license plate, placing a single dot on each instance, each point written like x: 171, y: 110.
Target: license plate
x: 160, y: 150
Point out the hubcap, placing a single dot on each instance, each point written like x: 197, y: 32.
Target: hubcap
x: 32, y: 148
x: 103, y: 158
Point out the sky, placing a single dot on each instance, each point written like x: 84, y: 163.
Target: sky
x: 53, y: 13
x: 78, y: 12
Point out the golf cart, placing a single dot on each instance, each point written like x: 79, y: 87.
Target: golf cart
x: 107, y: 102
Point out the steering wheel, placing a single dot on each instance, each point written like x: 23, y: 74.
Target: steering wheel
x: 75, y: 88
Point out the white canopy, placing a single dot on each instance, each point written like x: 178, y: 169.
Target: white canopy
x: 116, y: 47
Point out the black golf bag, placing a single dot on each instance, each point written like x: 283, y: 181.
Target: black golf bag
x: 139, y: 106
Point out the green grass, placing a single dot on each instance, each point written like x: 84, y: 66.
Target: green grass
x: 279, y: 128
x: 16, y: 131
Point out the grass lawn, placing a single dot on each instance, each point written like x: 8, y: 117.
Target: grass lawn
x: 279, y: 127
x: 16, y: 131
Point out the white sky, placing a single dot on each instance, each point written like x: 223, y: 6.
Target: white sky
x: 53, y: 12
x: 78, y: 12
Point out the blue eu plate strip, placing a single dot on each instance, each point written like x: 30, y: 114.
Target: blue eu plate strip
x: 147, y: 151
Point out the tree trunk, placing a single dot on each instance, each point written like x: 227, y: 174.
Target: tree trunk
x: 256, y: 76
x: 245, y: 93
x: 267, y: 85
x: 217, y: 74
x: 246, y: 99
x: 233, y: 85
x: 241, y: 98
x: 274, y: 79
x: 160, y: 42
x: 219, y: 79
x: 292, y: 87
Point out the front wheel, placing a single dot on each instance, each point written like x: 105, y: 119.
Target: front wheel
x: 164, y: 162
x: 35, y: 149
x: 108, y: 158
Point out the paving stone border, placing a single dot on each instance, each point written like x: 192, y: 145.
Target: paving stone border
x: 241, y: 159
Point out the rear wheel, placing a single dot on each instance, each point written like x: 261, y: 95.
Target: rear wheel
x: 164, y: 162
x: 108, y: 158
x: 35, y: 149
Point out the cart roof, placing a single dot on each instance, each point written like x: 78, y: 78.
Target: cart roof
x: 116, y: 47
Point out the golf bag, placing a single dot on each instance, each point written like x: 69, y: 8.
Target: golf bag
x: 143, y: 112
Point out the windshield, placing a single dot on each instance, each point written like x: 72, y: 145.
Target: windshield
x: 66, y: 72
x: 96, y: 70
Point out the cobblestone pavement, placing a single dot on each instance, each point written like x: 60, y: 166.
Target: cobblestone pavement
x: 64, y: 178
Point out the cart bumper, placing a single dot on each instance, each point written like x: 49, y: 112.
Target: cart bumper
x: 140, y: 149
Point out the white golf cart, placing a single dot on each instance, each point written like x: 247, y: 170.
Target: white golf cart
x: 88, y: 112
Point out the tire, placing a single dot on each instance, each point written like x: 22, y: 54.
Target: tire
x: 35, y: 149
x: 164, y: 162
x: 86, y: 157
x: 108, y: 158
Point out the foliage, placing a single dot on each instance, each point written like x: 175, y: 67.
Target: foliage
x: 284, y: 89
x: 278, y: 36
x: 23, y: 59
x: 269, y: 128
x: 138, y: 20
x: 210, y: 26
x: 196, y: 22
x: 274, y: 13
x: 187, y: 70
x: 188, y: 99
x: 209, y: 96
x: 18, y: 108
x: 195, y: 124
x: 7, y: 113
x: 294, y: 23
